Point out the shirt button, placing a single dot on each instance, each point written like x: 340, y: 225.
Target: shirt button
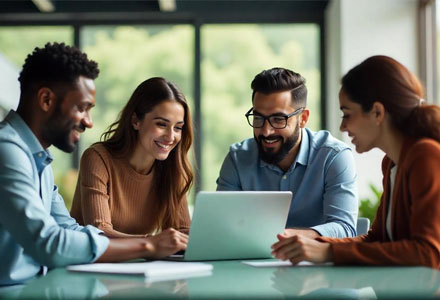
x: 284, y: 177
x: 40, y: 154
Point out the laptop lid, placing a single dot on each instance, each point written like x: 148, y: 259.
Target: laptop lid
x: 236, y: 225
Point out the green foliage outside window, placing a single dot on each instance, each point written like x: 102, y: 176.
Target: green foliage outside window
x: 231, y: 56
x: 368, y: 206
x: 66, y: 183
x: 15, y: 44
x: 128, y: 55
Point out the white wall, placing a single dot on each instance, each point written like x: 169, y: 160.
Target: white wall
x: 355, y: 30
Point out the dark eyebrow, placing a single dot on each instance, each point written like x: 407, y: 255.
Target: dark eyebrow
x: 278, y: 114
x: 163, y: 119
x: 168, y: 121
x: 88, y: 104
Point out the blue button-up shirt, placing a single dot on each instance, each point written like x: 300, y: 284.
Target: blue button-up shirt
x: 36, y: 229
x: 322, y: 180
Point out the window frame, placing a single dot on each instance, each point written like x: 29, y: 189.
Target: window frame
x: 257, y: 15
x: 428, y: 49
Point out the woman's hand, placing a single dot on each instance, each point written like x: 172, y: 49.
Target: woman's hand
x: 298, y: 248
x: 166, y: 243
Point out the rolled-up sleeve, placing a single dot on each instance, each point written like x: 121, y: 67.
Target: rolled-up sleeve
x: 33, y: 224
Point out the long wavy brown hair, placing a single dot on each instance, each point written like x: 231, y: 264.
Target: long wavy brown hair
x: 173, y: 176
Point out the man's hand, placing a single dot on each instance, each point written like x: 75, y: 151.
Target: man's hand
x: 310, y: 233
x: 298, y: 248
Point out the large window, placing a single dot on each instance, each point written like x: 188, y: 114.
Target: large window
x: 15, y: 44
x: 128, y: 55
x: 232, y: 56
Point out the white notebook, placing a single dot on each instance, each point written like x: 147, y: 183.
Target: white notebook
x: 154, y: 270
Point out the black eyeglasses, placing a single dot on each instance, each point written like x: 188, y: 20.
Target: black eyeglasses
x: 277, y: 121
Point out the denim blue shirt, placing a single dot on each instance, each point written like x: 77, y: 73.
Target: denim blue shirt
x: 36, y: 229
x: 322, y: 180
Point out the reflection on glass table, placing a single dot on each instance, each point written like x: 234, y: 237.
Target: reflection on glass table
x: 62, y: 284
x: 358, y: 282
x: 233, y: 279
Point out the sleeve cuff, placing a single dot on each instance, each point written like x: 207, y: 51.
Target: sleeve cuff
x: 321, y: 229
x: 98, y: 241
x: 334, y: 230
x: 329, y: 230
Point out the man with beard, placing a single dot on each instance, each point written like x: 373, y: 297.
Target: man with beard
x: 285, y: 156
x: 36, y: 230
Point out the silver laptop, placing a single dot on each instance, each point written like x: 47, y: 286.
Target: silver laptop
x: 235, y: 225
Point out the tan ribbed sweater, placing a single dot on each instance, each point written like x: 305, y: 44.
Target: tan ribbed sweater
x: 112, y: 196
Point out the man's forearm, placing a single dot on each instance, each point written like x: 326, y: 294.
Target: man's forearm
x: 307, y: 232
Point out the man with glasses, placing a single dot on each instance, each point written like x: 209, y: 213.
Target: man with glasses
x: 284, y: 155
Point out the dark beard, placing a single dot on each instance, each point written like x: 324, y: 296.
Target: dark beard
x: 272, y: 157
x: 57, y: 131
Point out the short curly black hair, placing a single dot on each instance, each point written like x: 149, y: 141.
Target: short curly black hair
x: 56, y: 63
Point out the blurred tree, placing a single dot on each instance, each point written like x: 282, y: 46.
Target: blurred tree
x: 231, y: 56
x: 15, y: 44
x: 368, y: 206
x: 132, y: 55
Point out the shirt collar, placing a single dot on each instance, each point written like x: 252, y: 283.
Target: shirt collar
x: 303, y: 154
x: 42, y: 156
x: 302, y: 157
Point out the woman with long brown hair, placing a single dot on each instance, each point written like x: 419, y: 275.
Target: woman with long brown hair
x: 383, y: 107
x: 134, y: 182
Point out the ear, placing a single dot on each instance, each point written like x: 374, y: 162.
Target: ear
x: 378, y: 112
x: 303, y: 118
x: 46, y: 99
x: 135, y: 121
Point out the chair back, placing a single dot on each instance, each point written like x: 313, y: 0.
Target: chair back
x: 363, y: 225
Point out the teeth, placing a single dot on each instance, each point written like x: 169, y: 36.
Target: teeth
x: 270, y: 141
x: 166, y: 147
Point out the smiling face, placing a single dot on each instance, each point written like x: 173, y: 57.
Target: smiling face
x: 276, y: 145
x: 160, y: 130
x: 361, y: 126
x: 71, y: 116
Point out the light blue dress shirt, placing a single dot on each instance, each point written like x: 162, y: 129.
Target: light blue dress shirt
x: 36, y: 229
x: 322, y: 180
